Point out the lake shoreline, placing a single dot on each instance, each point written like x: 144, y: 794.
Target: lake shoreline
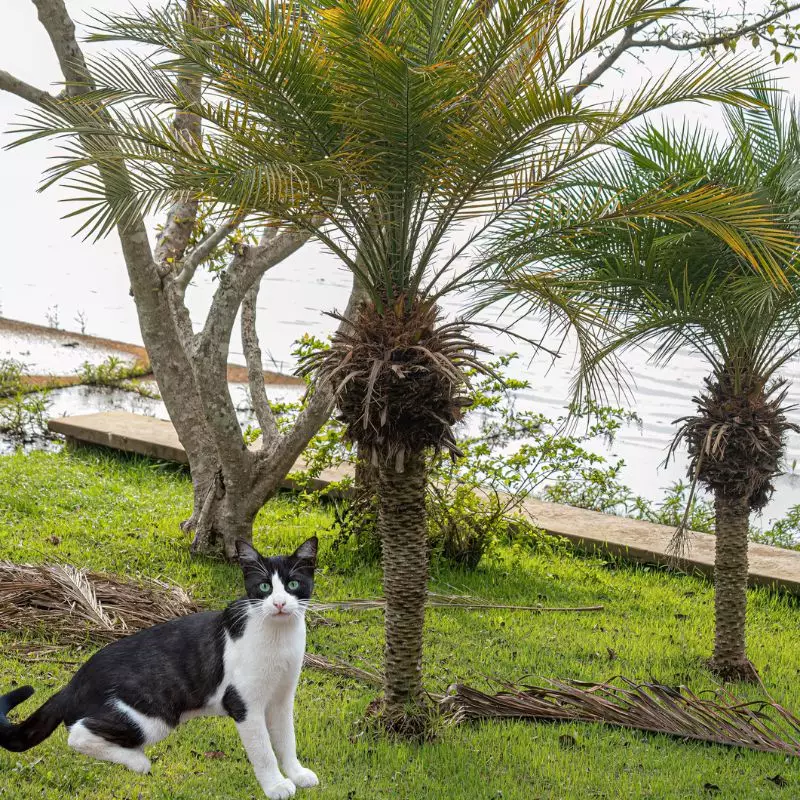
x: 56, y: 336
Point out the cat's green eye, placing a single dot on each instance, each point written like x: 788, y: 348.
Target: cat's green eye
x: 292, y: 585
x: 266, y: 588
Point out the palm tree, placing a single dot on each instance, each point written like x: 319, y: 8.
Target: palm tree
x: 381, y: 128
x: 684, y: 291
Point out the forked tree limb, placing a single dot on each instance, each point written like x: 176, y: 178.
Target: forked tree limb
x: 203, y: 250
x: 717, y: 39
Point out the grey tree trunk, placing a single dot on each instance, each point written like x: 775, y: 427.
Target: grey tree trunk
x: 730, y: 589
x: 401, y: 522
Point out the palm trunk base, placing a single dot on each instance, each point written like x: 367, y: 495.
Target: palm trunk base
x: 416, y: 722
x: 728, y: 672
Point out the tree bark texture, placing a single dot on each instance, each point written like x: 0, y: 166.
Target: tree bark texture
x: 401, y: 521
x: 730, y: 588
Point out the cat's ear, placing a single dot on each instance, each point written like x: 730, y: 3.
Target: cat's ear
x: 308, y: 551
x: 248, y: 555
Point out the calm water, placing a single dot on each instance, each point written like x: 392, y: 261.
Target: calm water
x: 292, y: 301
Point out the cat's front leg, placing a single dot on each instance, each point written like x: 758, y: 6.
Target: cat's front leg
x: 255, y: 738
x: 280, y: 723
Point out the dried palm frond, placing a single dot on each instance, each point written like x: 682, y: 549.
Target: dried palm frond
x: 719, y: 718
x: 76, y: 606
x: 463, y: 602
x: 399, y: 378
x: 736, y: 441
x: 342, y: 669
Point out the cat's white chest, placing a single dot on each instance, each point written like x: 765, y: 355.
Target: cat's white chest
x: 266, y: 660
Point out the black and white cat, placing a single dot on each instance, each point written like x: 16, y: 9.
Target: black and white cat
x: 243, y: 662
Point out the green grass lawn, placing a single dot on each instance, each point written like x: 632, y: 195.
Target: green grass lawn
x: 122, y: 515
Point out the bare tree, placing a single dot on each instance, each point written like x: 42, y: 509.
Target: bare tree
x: 230, y: 481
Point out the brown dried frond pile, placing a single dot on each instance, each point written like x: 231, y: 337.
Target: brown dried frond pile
x: 719, y: 718
x: 75, y: 606
x: 399, y: 376
x: 736, y: 441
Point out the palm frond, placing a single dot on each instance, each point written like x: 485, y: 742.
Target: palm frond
x: 716, y: 717
x: 392, y: 122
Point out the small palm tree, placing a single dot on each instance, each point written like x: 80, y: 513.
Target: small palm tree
x: 379, y: 127
x: 684, y: 291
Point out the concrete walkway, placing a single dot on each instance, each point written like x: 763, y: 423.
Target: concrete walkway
x: 627, y: 538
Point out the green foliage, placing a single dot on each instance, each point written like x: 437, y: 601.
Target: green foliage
x: 356, y: 541
x: 23, y: 410
x: 477, y: 502
x: 113, y: 372
x: 121, y: 515
x: 672, y: 509
x: 11, y: 373
x: 784, y: 533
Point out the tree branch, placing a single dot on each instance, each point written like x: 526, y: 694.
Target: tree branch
x: 13, y: 85
x: 629, y: 42
x: 719, y: 38
x: 606, y: 64
x: 203, y: 250
x: 255, y: 367
x: 181, y: 217
x: 61, y: 30
x: 212, y: 344
x: 273, y: 465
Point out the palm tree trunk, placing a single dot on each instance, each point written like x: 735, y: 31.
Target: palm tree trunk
x: 730, y: 585
x: 401, y: 522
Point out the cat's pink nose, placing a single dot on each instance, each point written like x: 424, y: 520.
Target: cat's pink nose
x: 280, y: 604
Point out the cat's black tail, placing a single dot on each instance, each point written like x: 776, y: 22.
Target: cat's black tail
x: 36, y: 728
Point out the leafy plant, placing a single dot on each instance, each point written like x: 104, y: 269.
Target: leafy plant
x: 23, y: 410
x: 115, y: 373
x: 784, y: 533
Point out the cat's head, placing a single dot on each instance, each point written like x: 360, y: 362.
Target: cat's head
x: 283, y: 584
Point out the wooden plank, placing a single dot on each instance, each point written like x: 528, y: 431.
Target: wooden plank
x: 630, y: 539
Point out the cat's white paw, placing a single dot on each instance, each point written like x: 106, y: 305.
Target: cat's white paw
x: 140, y: 763
x: 304, y: 778
x: 281, y: 790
